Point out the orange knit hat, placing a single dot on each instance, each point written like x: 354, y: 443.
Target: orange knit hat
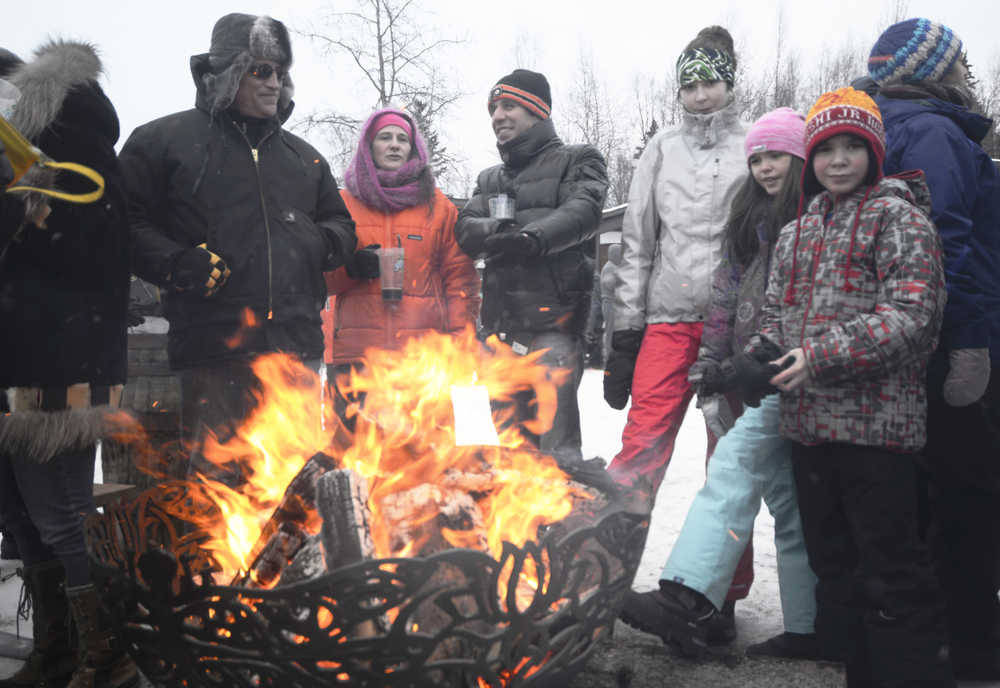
x: 844, y: 111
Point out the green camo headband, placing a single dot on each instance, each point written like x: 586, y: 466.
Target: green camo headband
x: 704, y: 64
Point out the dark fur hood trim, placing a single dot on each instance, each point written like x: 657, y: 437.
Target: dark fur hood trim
x: 58, y: 67
x: 41, y: 435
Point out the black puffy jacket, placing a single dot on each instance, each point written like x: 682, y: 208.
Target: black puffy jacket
x: 262, y: 199
x: 558, y: 192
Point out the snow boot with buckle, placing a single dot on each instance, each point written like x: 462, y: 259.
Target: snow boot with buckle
x: 52, y: 658
x: 102, y: 664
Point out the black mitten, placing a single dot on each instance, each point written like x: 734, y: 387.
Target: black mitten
x: 620, y: 367
x: 198, y: 269
x: 363, y: 265
x: 754, y: 371
x: 718, y: 379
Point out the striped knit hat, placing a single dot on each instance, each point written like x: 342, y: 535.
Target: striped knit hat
x: 528, y: 89
x: 913, y: 51
x: 844, y: 111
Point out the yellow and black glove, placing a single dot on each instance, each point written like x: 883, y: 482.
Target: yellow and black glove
x: 198, y: 269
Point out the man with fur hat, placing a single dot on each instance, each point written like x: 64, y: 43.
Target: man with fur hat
x: 63, y: 297
x: 538, y: 278
x: 926, y: 101
x: 236, y: 219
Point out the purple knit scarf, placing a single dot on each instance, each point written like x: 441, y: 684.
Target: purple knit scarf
x: 390, y: 191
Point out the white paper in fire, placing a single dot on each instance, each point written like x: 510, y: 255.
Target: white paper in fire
x: 473, y: 417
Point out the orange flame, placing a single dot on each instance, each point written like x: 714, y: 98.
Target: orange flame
x: 404, y: 446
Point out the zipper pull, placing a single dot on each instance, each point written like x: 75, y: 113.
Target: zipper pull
x: 253, y: 152
x: 714, y: 174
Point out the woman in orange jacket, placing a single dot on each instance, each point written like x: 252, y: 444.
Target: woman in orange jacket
x: 391, y: 195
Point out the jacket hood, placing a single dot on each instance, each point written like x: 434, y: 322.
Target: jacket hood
x: 58, y: 67
x: 519, y: 151
x: 908, y: 186
x: 897, y: 110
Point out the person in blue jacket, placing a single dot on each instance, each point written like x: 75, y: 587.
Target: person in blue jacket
x: 924, y: 94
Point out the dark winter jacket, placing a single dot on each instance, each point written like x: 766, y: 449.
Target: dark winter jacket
x: 64, y: 288
x: 942, y: 139
x: 859, y: 285
x: 736, y: 302
x: 559, y: 193
x: 262, y: 199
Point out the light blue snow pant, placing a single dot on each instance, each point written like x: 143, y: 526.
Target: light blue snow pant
x: 752, y: 461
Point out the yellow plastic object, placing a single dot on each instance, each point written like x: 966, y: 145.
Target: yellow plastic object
x: 23, y: 156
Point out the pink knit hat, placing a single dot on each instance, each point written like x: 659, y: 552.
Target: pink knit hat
x: 389, y: 118
x: 782, y: 130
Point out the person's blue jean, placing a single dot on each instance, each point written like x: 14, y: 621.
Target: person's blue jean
x: 752, y: 461
x: 42, y: 505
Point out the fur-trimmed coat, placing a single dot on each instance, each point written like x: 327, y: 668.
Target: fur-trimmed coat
x: 859, y: 285
x: 64, y: 288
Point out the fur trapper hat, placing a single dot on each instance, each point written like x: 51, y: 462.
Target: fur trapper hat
x: 238, y: 41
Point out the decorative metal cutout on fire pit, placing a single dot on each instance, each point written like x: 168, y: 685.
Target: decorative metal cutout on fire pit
x: 455, y: 618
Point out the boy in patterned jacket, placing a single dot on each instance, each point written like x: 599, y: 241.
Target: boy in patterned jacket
x: 855, y: 298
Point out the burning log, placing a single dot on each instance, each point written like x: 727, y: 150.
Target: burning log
x: 297, y: 507
x: 281, y: 548
x: 431, y: 518
x: 342, y: 500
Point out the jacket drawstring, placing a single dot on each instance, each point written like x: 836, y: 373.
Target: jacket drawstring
x: 790, y: 290
x: 854, y: 232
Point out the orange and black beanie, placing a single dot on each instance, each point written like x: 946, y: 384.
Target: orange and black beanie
x: 844, y: 111
x: 528, y: 89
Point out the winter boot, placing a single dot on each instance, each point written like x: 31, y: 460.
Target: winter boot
x: 101, y: 663
x: 792, y: 646
x: 679, y: 615
x: 722, y: 629
x: 52, y: 659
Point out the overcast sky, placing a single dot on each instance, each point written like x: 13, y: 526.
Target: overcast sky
x: 146, y: 45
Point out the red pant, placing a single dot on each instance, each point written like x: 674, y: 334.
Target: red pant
x: 661, y: 395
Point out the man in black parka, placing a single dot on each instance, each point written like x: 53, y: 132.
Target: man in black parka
x: 538, y: 278
x: 236, y: 219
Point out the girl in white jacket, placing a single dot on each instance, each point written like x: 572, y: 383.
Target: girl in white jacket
x: 671, y: 242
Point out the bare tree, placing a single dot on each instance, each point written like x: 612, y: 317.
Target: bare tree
x: 987, y: 96
x: 593, y: 118
x: 391, y: 52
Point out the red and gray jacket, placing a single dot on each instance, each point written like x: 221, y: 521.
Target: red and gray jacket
x: 858, y: 283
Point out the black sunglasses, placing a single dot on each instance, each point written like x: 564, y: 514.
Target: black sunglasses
x: 263, y: 71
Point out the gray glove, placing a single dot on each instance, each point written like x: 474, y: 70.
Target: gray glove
x: 718, y: 413
x: 968, y: 375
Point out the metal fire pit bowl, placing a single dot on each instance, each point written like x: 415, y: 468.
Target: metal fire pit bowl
x: 360, y: 625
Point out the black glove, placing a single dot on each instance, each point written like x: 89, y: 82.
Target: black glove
x: 198, y: 269
x: 6, y: 169
x: 512, y: 245
x: 363, y: 265
x: 718, y: 378
x: 620, y: 367
x: 754, y: 372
